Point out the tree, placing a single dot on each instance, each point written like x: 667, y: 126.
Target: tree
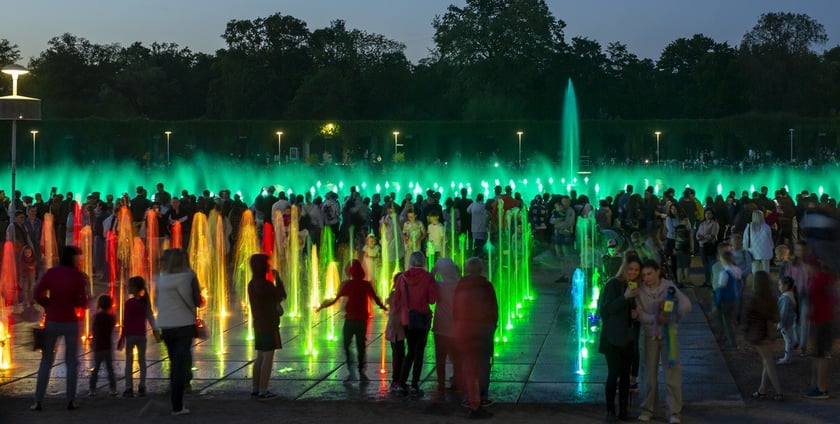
x: 783, y: 70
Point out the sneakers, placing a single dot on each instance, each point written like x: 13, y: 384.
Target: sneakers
x: 479, y: 414
x: 486, y: 402
x: 266, y: 396
x: 675, y: 419
x: 415, y: 392
x: 113, y: 393
x: 35, y: 406
x: 351, y: 376
x: 815, y: 393
x: 91, y: 393
x: 71, y: 406
x: 394, y: 387
x: 645, y: 417
x: 183, y: 411
x: 784, y: 361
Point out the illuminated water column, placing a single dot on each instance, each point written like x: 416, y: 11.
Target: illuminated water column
x: 578, y: 303
x: 331, y: 283
x: 85, y: 244
x: 293, y: 254
x: 176, y: 235
x: 8, y: 297
x: 314, y: 301
x: 218, y: 283
x: 571, y: 133
x: 246, y: 246
x: 125, y: 242
x: 152, y: 252
x: 199, y: 252
x: 49, y: 247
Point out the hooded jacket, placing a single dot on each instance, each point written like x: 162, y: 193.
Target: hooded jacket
x: 416, y: 289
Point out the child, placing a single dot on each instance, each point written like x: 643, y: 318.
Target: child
x: 782, y: 256
x: 357, y: 291
x: 372, y: 253
x: 395, y: 334
x: 103, y: 329
x: 436, y: 236
x: 28, y: 268
x: 787, y: 318
x: 136, y: 312
x: 743, y: 260
x: 413, y: 235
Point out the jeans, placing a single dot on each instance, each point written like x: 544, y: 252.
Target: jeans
x: 397, y: 360
x: 357, y: 329
x: 178, y: 341
x: 130, y: 343
x: 619, y: 361
x: 656, y: 353
x: 70, y: 332
x: 726, y: 322
x: 106, y: 356
x: 416, y: 340
x: 445, y: 346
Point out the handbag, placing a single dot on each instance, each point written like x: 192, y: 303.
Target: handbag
x: 416, y: 320
x: 201, y: 332
x: 38, y: 338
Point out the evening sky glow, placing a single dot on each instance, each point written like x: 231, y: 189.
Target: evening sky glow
x: 645, y: 26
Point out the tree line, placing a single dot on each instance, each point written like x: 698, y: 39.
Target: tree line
x: 491, y: 60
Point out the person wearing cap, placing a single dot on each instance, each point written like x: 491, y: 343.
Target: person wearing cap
x: 611, y: 261
x: 356, y: 318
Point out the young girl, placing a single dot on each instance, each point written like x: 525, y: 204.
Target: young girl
x: 136, y: 312
x: 372, y: 255
x: 787, y: 318
x: 413, y: 235
x: 103, y: 328
x: 28, y: 268
x: 436, y: 236
x: 395, y: 334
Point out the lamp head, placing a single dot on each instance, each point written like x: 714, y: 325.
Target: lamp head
x: 279, y: 133
x: 15, y: 70
x: 520, y: 132
x: 658, y: 133
x: 396, y: 133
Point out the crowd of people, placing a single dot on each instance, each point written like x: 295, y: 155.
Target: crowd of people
x: 647, y: 239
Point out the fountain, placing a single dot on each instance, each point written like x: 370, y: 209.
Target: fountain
x: 571, y: 134
x: 8, y: 298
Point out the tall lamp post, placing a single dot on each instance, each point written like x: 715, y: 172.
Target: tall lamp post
x: 34, y: 133
x: 791, y: 144
x: 519, y: 133
x: 279, y: 147
x: 396, y: 144
x: 15, y: 108
x: 658, y: 133
x: 168, y: 133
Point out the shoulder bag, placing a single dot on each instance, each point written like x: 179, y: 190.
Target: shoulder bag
x: 416, y: 320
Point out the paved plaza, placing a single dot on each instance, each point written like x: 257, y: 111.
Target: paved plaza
x: 533, y: 377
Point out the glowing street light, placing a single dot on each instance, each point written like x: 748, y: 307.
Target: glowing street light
x: 15, y: 108
x: 658, y: 133
x: 279, y: 147
x: 34, y: 133
x: 168, y: 133
x: 791, y: 144
x: 519, y: 133
x: 396, y: 144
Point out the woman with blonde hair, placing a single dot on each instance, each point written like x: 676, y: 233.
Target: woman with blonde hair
x: 758, y: 240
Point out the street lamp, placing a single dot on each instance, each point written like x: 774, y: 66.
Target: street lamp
x: 396, y: 144
x: 168, y: 133
x: 279, y: 147
x: 519, y: 133
x: 34, y: 133
x: 791, y: 144
x: 658, y: 133
x: 15, y: 108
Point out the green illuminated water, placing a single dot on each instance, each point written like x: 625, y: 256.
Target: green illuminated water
x: 570, y: 145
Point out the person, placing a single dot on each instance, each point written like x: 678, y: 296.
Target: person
x: 60, y: 291
x: 787, y: 318
x: 743, y: 260
x: 475, y: 314
x: 726, y: 293
x: 103, y: 344
x: 822, y: 298
x: 356, y: 319
x: 413, y: 234
x: 136, y: 312
x: 265, y: 298
x: 758, y: 240
x: 479, y: 225
x: 177, y: 297
x: 372, y: 258
x: 28, y: 270
x: 651, y: 306
x: 437, y: 236
x: 798, y: 270
x: 395, y: 334
x: 760, y: 314
x: 415, y: 291
x: 707, y: 236
x: 563, y: 221
x: 617, y: 308
x: 611, y: 261
x: 442, y: 326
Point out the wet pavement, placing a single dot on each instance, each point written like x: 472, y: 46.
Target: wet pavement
x: 535, y: 369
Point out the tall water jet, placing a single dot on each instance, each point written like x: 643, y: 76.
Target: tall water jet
x: 199, y: 253
x: 8, y: 297
x: 293, y: 255
x: 218, y: 282
x: 314, y: 301
x: 125, y: 246
x: 49, y: 247
x: 246, y: 246
x: 578, y: 303
x: 85, y: 244
x: 153, y: 244
x: 570, y: 141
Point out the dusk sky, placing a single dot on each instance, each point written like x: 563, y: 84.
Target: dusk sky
x: 645, y: 26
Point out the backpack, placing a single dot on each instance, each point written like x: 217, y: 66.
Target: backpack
x: 729, y: 293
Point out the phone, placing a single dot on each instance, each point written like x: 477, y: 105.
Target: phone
x: 632, y: 285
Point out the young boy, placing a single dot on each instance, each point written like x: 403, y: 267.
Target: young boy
x: 136, y: 312
x: 436, y: 236
x: 356, y: 318
x: 787, y: 318
x: 103, y: 329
